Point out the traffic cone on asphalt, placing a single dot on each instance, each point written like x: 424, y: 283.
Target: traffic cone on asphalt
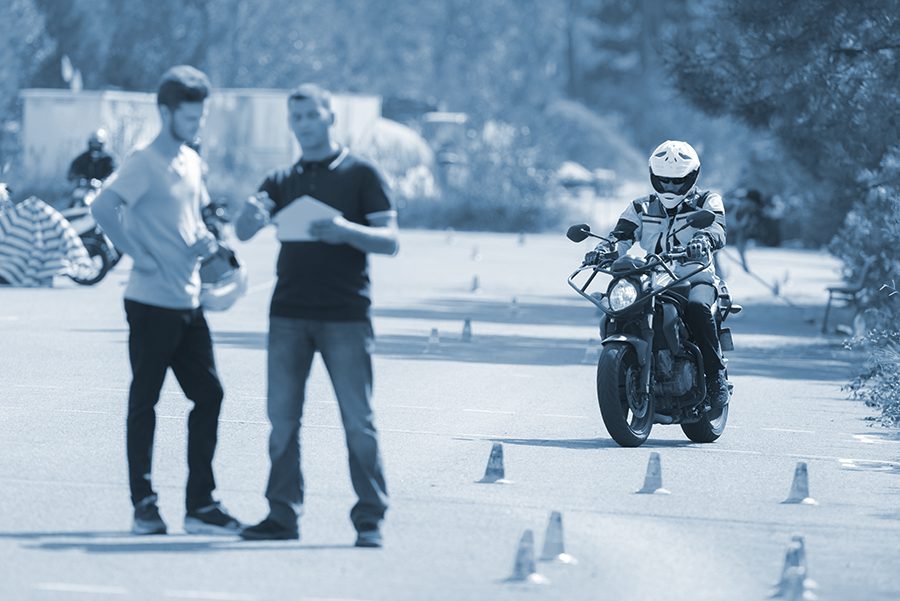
x: 494, y: 472
x: 653, y: 479
x: 476, y: 253
x: 554, y: 548
x: 800, y: 487
x: 524, y: 569
x: 476, y: 284
x: 794, y: 561
x: 591, y: 354
x: 434, y: 341
x: 521, y: 238
x: 467, y: 331
x: 514, y: 308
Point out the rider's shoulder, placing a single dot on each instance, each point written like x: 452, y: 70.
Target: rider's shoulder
x: 710, y: 200
x: 643, y: 203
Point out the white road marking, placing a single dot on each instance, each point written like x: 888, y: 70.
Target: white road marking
x: 416, y: 407
x: 788, y: 430
x: 871, y: 439
x: 561, y: 415
x: 260, y: 287
x: 90, y: 589
x: 208, y: 595
x: 491, y: 411
x: 9, y: 317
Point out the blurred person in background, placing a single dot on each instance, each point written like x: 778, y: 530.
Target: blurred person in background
x: 95, y: 162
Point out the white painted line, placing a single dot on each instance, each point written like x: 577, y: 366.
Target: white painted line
x: 9, y: 317
x: 84, y: 411
x: 414, y: 407
x: 89, y: 589
x: 871, y: 439
x: 560, y: 415
x: 491, y: 411
x: 208, y: 595
x: 260, y: 287
x: 788, y: 430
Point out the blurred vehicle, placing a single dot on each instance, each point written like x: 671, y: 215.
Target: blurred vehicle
x: 102, y: 252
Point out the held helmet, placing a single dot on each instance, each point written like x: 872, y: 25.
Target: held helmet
x: 223, y: 280
x: 674, y: 167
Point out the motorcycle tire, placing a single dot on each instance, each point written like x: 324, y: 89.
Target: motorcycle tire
x: 618, y: 390
x: 99, y: 256
x: 709, y: 428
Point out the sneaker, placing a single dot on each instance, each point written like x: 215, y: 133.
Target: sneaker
x: 146, y: 517
x: 717, y: 390
x: 269, y: 529
x: 212, y: 519
x: 369, y: 537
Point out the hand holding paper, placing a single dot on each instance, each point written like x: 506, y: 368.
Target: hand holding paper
x: 332, y: 231
x: 294, y: 222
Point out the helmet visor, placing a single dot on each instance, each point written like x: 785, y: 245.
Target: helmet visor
x: 674, y: 185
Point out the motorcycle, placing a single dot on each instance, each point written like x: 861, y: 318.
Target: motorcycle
x: 102, y: 252
x: 649, y: 370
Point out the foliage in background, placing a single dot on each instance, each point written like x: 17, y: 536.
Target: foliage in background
x: 823, y: 77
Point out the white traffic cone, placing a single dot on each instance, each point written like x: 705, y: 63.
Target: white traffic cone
x: 591, y: 353
x: 434, y: 341
x: 796, y: 586
x: 467, y: 331
x: 476, y: 253
x: 476, y: 284
x: 800, y: 487
x: 495, y: 473
x: 521, y: 238
x: 794, y: 560
x: 554, y: 547
x: 524, y: 569
x: 653, y: 479
x: 514, y: 308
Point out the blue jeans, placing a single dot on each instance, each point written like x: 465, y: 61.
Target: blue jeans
x: 345, y: 347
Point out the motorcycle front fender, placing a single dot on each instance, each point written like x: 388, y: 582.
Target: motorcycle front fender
x: 640, y: 346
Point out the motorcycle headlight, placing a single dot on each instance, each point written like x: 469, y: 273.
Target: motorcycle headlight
x: 622, y: 294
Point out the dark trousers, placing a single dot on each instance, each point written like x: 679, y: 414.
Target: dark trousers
x: 178, y: 338
x: 701, y: 322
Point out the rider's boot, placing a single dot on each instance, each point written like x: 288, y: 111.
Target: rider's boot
x: 717, y: 391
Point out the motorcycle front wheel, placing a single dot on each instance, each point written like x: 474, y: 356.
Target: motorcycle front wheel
x: 99, y: 259
x: 709, y: 428
x: 627, y: 414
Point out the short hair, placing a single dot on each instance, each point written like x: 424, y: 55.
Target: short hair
x: 312, y: 91
x: 182, y: 83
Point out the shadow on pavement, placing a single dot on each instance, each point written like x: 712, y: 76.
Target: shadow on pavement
x: 573, y: 313
x: 587, y: 443
x: 125, y: 542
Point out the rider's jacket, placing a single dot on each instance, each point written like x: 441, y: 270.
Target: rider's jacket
x: 649, y: 223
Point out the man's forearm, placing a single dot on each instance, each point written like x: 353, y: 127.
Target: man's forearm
x: 377, y: 240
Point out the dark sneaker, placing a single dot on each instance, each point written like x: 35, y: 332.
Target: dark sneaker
x: 369, y: 537
x: 269, y: 529
x: 212, y: 519
x: 146, y: 517
x: 717, y: 390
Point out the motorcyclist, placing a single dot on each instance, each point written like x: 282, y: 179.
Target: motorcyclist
x: 95, y: 162
x: 649, y: 220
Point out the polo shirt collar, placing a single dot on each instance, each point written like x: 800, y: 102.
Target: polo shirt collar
x: 331, y: 163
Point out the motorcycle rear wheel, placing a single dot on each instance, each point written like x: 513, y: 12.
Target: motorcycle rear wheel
x: 709, y: 428
x: 627, y: 417
x: 100, y: 258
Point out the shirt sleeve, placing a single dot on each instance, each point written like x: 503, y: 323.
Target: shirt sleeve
x: 270, y: 186
x: 131, y: 181
x: 375, y: 194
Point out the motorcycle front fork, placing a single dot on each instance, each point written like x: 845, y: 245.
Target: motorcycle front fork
x: 647, y: 335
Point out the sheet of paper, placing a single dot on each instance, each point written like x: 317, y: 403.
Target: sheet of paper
x: 294, y: 220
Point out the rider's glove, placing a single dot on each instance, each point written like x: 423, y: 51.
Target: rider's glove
x: 599, y: 255
x: 698, y: 247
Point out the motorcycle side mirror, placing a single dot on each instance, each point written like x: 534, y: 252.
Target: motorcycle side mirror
x: 578, y: 232
x: 701, y: 219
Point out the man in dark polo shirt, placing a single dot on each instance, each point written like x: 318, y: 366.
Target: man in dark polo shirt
x: 321, y: 304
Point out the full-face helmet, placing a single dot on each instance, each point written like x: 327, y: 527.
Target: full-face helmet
x: 674, y: 167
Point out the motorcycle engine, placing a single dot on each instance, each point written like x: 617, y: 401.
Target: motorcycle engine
x: 674, y: 376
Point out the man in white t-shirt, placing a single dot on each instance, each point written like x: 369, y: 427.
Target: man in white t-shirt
x: 150, y: 208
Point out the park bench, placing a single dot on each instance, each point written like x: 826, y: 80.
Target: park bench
x: 849, y: 293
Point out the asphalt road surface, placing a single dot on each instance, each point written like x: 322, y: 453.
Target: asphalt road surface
x: 525, y: 380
